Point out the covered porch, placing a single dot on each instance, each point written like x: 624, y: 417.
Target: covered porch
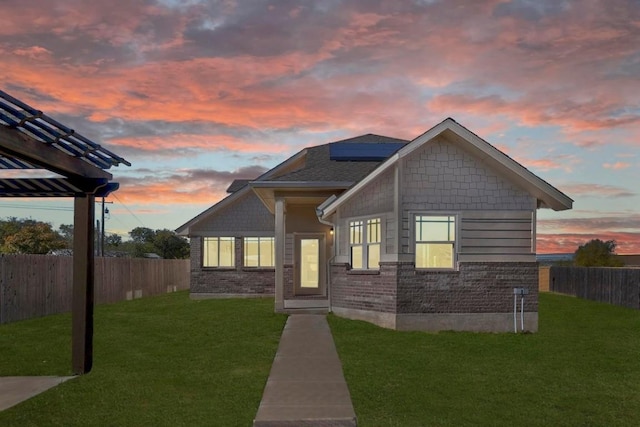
x: 304, y: 246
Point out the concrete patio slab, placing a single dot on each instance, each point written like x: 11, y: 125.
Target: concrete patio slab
x: 14, y: 390
x: 306, y: 386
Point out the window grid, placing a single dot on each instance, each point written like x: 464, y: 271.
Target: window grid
x: 259, y: 252
x: 435, y: 241
x: 364, y: 242
x: 218, y: 252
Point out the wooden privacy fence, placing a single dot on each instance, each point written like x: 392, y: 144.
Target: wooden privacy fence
x: 40, y: 285
x: 618, y: 286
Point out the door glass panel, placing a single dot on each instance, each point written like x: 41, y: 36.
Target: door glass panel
x: 309, y: 263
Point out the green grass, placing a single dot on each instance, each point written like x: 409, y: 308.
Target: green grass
x: 158, y: 361
x: 581, y: 369
x: 172, y: 361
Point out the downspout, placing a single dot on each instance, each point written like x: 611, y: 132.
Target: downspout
x: 319, y: 214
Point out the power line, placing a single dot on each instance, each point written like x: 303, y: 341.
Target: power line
x: 129, y: 210
x: 51, y: 208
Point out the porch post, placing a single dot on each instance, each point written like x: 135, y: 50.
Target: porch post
x: 83, y: 269
x: 279, y: 255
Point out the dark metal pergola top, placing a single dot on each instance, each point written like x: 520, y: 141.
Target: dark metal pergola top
x: 34, y: 123
x: 31, y: 140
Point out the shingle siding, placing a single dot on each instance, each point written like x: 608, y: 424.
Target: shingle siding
x: 375, y: 198
x: 442, y: 177
x: 246, y: 217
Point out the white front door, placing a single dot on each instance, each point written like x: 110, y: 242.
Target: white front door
x: 309, y: 264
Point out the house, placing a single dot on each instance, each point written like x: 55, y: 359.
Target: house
x: 429, y: 234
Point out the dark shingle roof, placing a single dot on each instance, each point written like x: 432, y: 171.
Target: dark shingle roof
x: 237, y: 184
x: 319, y: 167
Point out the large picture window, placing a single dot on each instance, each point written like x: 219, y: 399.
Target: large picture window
x: 218, y: 252
x: 259, y: 252
x: 435, y: 241
x: 364, y: 242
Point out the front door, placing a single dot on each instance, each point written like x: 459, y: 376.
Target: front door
x: 309, y: 264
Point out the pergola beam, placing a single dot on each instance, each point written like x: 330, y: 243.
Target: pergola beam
x: 18, y: 144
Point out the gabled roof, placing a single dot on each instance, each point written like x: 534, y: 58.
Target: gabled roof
x: 310, y: 168
x: 547, y: 195
x: 237, y: 184
x: 317, y: 165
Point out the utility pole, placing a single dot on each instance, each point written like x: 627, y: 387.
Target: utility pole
x: 100, y: 227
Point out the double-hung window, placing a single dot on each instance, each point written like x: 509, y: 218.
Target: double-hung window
x: 259, y: 252
x: 364, y: 243
x: 218, y: 252
x: 435, y: 241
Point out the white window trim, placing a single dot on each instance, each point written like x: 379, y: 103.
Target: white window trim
x: 244, y: 252
x: 365, y: 241
x: 456, y: 241
x: 227, y: 267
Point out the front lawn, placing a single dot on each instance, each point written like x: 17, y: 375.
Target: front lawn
x: 172, y: 361
x: 581, y: 369
x: 157, y: 361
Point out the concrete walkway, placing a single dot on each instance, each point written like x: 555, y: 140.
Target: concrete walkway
x: 14, y: 390
x: 306, y: 386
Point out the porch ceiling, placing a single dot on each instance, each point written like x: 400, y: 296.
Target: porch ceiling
x: 298, y: 192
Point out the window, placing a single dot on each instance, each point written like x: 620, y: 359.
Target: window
x: 218, y: 252
x: 435, y: 241
x: 364, y: 241
x: 259, y: 252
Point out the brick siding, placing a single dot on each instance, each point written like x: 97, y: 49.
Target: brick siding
x: 475, y: 288
x: 399, y: 288
x: 236, y: 280
x: 372, y: 292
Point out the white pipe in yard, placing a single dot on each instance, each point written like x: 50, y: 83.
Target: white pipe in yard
x: 522, y: 314
x: 515, y: 313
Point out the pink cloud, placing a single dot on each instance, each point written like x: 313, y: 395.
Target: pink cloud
x: 209, y: 143
x: 627, y: 243
x: 597, y: 190
x: 616, y: 165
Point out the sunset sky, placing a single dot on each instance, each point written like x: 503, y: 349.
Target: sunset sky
x: 198, y: 93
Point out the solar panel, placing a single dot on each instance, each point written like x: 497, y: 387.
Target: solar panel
x: 363, y: 152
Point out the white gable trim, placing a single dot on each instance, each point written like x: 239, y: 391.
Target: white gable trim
x: 543, y: 191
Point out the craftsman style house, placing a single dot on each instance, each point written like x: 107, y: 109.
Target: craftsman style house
x: 430, y: 234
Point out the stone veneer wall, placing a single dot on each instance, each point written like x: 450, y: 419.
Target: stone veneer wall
x: 399, y: 296
x: 364, y: 290
x: 236, y: 281
x: 476, y: 288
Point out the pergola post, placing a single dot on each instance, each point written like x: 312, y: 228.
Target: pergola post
x: 83, y: 284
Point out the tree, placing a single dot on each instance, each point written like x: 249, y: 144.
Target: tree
x: 597, y: 253
x: 142, y: 235
x: 170, y: 246
x: 112, y: 240
x: 165, y: 243
x: 66, y: 231
x: 38, y: 238
x: 12, y: 225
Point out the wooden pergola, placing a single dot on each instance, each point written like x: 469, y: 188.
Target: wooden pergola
x: 31, y: 140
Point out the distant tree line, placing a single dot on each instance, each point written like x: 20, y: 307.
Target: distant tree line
x: 597, y: 253
x: 28, y: 236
